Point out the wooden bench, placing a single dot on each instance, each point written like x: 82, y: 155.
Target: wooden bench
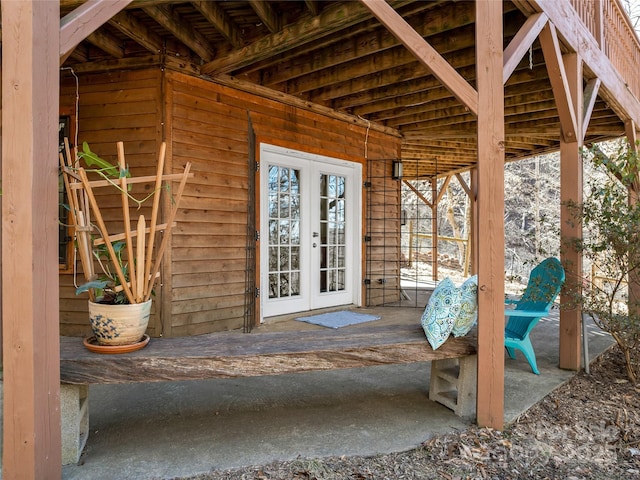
x: 234, y: 354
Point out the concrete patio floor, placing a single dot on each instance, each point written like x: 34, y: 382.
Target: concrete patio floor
x: 177, y: 429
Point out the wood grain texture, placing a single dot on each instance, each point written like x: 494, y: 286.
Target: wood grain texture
x: 230, y: 355
x: 490, y: 212
x: 31, y: 427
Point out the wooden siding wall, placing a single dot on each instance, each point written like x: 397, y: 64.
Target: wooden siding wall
x: 203, y: 279
x: 123, y: 106
x: 207, y: 125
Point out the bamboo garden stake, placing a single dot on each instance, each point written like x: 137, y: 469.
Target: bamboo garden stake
x: 139, y: 278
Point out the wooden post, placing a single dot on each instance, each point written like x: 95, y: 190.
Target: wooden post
x: 598, y: 20
x: 489, y: 66
x: 571, y: 190
x: 30, y: 318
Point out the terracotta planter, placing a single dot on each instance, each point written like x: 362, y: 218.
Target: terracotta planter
x: 119, y: 324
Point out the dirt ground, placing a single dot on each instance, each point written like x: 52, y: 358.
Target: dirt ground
x: 588, y: 428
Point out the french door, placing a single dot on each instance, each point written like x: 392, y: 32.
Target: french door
x: 310, y: 231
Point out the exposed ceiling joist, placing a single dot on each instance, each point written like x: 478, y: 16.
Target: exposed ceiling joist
x: 183, y: 31
x: 267, y: 14
x: 383, y: 44
x: 106, y: 43
x: 425, y: 53
x: 71, y: 4
x: 330, y: 21
x: 84, y: 20
x: 219, y: 19
x: 137, y: 31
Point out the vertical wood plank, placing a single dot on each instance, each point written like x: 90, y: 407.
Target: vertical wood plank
x: 489, y: 62
x: 30, y: 91
x: 598, y: 8
x: 571, y: 190
x: 1, y: 329
x: 165, y: 286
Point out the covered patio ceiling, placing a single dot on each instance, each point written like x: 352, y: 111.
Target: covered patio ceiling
x: 336, y: 57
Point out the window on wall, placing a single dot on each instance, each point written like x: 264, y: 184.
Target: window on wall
x: 65, y: 232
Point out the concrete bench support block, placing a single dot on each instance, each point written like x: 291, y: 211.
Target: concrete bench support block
x: 74, y: 412
x: 454, y: 384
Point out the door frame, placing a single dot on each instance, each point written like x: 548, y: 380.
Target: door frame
x: 354, y: 238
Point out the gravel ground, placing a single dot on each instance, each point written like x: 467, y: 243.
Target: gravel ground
x: 588, y: 428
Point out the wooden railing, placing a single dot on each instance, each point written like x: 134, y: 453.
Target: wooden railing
x: 612, y: 30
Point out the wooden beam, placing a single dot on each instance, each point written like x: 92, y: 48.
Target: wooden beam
x: 267, y: 14
x: 183, y: 31
x: 631, y: 130
x: 414, y: 115
x: 463, y: 184
x: 443, y: 189
x: 522, y: 42
x: 106, y: 43
x: 137, y: 31
x: 361, y: 37
x: 490, y: 206
x: 80, y: 53
x: 111, y: 64
x: 71, y: 4
x: 296, y: 102
x: 396, y: 82
x: 425, y: 53
x: 331, y: 20
x: 571, y: 191
x: 590, y: 95
x: 558, y: 78
x: 399, y: 62
x: 401, y: 73
x: 30, y: 308
x: 578, y: 38
x: 217, y: 17
x: 383, y: 44
x: 86, y: 19
x: 418, y: 194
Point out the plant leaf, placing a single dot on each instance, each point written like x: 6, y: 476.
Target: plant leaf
x: 96, y: 284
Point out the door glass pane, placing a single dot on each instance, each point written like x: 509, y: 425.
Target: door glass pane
x: 284, y: 232
x: 332, y: 233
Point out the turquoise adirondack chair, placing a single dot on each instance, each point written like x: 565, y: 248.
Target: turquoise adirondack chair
x: 544, y: 285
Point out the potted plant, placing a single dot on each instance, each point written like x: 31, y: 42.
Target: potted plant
x: 129, y: 262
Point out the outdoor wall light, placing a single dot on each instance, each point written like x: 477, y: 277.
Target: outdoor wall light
x: 397, y: 171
